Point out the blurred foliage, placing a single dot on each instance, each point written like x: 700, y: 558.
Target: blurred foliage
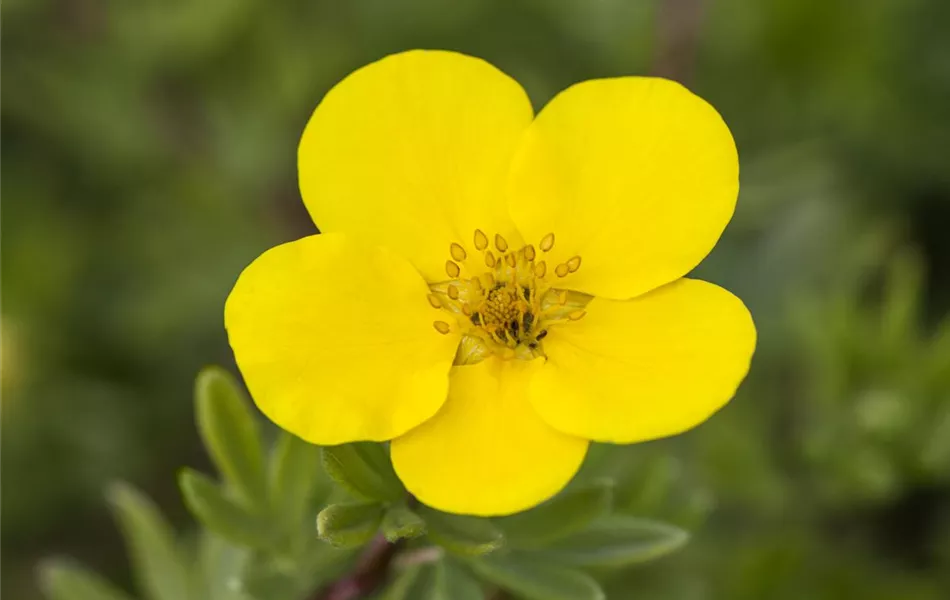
x: 260, y: 518
x: 149, y: 154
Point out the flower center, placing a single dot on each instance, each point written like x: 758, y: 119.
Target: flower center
x: 505, y: 303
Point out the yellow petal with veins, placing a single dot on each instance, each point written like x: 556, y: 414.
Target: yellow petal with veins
x: 412, y: 151
x: 654, y: 366
x: 637, y: 176
x: 336, y: 342
x: 487, y: 452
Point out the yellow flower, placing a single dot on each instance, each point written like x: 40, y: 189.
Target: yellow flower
x: 492, y: 289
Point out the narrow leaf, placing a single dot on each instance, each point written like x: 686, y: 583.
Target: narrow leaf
x: 364, y: 469
x: 348, y: 525
x: 452, y: 583
x: 405, y: 586
x: 467, y: 536
x: 535, y: 580
x: 400, y: 523
x: 65, y: 580
x: 435, y: 581
x: 220, y: 514
x: 158, y: 568
x: 563, y: 515
x: 618, y: 541
x: 294, y: 476
x: 229, y: 431
x: 220, y: 564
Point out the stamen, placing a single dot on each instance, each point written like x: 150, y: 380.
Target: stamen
x: 434, y: 300
x: 458, y: 252
x: 576, y: 315
x: 501, y: 243
x: 442, y: 327
x: 511, y: 260
x: 481, y: 240
x: 562, y: 270
x: 489, y: 260
x: 453, y: 292
x: 547, y: 242
x: 452, y: 269
x: 529, y: 252
x: 574, y: 264
x: 540, y: 269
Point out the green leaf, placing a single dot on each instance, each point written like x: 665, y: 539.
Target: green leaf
x: 364, y: 469
x: 466, y: 536
x: 294, y: 477
x: 229, y: 430
x: 563, y: 515
x: 219, y: 565
x: 220, y: 514
x: 62, y: 579
x: 435, y: 581
x: 618, y: 541
x: 400, y: 523
x: 535, y: 580
x: 267, y: 580
x: 158, y: 568
x: 351, y: 524
x: 452, y: 583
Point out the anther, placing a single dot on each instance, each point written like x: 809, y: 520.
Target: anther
x: 476, y: 284
x: 466, y: 310
x: 434, y: 300
x: 574, y: 264
x: 481, y: 240
x: 547, y: 242
x: 452, y: 269
x: 453, y: 292
x: 501, y: 243
x: 442, y: 327
x: 540, y: 269
x: 562, y: 297
x: 562, y: 270
x: 489, y: 259
x: 511, y: 260
x: 576, y: 315
x: 457, y: 252
x: 529, y: 252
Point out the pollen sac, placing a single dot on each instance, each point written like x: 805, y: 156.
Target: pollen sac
x: 574, y: 264
x: 458, y: 252
x: 501, y: 243
x: 481, y: 240
x: 452, y: 269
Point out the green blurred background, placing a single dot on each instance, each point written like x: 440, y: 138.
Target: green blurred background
x: 149, y: 155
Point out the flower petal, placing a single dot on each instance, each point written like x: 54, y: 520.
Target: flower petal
x: 635, y: 175
x: 487, y: 452
x: 413, y: 151
x: 336, y: 340
x: 645, y: 368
